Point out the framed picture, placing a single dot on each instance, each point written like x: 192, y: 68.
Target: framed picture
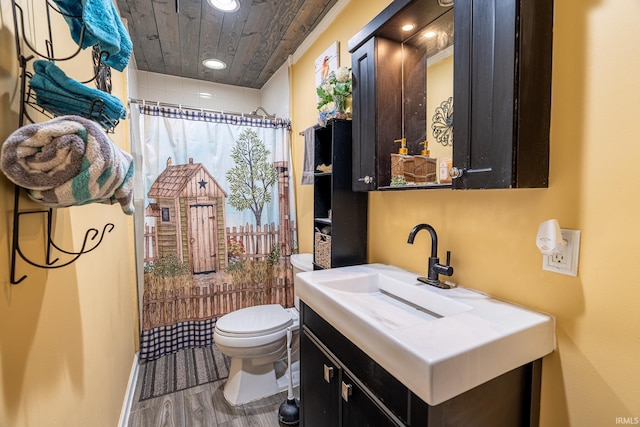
x: 327, y: 62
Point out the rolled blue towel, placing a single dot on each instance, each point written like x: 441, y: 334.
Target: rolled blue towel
x: 63, y: 95
x: 103, y: 27
x: 68, y: 161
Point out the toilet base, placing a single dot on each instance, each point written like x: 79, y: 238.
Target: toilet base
x: 248, y: 382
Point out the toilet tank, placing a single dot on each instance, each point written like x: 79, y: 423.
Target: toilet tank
x: 300, y: 263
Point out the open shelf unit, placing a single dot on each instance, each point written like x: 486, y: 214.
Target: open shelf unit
x: 339, y: 214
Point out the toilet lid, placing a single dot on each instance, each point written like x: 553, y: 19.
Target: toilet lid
x: 303, y: 262
x: 256, y: 320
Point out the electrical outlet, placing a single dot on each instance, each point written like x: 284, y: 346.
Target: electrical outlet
x: 565, y: 262
x: 557, y: 258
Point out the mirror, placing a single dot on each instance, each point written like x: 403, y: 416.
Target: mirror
x: 427, y: 86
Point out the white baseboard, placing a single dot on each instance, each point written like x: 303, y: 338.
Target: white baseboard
x: 131, y: 389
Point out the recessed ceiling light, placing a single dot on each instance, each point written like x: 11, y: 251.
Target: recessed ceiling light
x: 225, y: 5
x: 408, y: 27
x: 205, y: 95
x: 430, y: 34
x: 214, y: 64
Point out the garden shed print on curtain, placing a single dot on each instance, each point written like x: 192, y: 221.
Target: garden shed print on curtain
x: 219, y: 227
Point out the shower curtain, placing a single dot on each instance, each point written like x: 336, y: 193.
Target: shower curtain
x: 218, y: 223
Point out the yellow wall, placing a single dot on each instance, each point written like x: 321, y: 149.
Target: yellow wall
x: 67, y: 336
x: 594, y: 375
x: 439, y: 88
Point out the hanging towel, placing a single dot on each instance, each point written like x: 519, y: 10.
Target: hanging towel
x: 68, y: 161
x: 61, y: 95
x: 103, y: 27
x: 309, y: 147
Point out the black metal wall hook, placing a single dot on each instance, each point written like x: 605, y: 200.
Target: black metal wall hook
x: 92, y: 239
x: 20, y: 31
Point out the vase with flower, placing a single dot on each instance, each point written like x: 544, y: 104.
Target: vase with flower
x: 334, y: 95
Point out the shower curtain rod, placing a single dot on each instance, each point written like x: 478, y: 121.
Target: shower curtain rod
x: 203, y: 110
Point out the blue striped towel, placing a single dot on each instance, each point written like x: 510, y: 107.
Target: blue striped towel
x: 103, y: 27
x: 68, y: 161
x: 62, y: 95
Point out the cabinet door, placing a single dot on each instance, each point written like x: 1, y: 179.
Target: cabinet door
x: 364, y: 131
x: 377, y: 111
x: 502, y: 92
x: 358, y: 409
x: 319, y: 386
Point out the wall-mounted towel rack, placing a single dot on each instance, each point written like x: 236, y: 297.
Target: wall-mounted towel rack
x: 29, y: 107
x: 94, y: 108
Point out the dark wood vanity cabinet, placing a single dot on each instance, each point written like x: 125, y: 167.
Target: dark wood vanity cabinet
x: 332, y: 394
x: 337, y: 210
x: 333, y: 397
x: 321, y: 384
x: 340, y: 385
x: 502, y: 93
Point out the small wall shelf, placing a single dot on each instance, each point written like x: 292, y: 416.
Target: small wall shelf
x: 29, y: 107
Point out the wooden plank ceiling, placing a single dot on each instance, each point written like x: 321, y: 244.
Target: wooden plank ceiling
x: 254, y: 41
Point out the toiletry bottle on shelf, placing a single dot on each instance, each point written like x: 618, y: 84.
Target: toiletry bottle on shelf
x: 444, y: 165
x: 425, y: 149
x: 402, y: 163
x: 403, y: 146
x: 424, y: 166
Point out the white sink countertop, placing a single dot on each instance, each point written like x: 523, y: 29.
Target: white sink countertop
x: 437, y: 342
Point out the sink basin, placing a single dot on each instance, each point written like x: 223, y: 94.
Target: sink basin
x: 384, y: 291
x: 438, y: 342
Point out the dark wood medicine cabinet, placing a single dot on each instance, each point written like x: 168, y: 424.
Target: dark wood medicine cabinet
x: 500, y: 82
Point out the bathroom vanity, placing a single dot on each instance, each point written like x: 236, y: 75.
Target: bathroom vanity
x: 380, y: 349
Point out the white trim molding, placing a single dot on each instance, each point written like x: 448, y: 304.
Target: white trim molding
x: 131, y: 390
x: 318, y: 30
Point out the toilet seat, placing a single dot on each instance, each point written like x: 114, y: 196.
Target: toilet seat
x: 254, y: 326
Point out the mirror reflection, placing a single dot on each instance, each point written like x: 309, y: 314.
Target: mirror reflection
x: 427, y: 61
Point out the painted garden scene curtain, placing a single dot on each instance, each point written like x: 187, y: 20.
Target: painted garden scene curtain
x: 219, y: 227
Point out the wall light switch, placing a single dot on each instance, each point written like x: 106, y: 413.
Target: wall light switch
x: 566, y: 261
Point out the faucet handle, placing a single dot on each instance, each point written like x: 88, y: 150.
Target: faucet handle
x: 445, y: 270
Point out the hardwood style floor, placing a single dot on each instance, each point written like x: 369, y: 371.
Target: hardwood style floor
x: 204, y: 406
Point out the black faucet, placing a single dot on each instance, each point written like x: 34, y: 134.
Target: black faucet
x: 435, y: 268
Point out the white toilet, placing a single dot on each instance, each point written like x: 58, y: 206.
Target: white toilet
x: 255, y: 338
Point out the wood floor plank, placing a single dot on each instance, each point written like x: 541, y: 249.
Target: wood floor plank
x: 224, y: 411
x: 236, y: 422
x: 264, y: 412
x: 267, y: 408
x: 164, y: 411
x: 204, y: 406
x: 199, y: 411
